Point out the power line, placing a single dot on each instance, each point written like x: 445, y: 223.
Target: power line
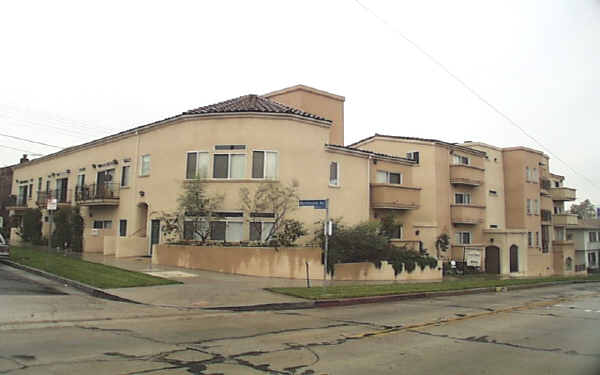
x: 473, y: 92
x: 73, y: 132
x: 22, y: 150
x: 29, y: 140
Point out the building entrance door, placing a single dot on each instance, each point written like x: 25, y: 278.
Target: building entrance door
x: 154, y: 233
x: 492, y: 259
x: 514, y: 258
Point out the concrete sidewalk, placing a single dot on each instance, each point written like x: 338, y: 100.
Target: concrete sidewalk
x: 199, y: 288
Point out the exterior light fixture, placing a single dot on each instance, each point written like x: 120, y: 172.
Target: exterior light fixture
x: 142, y: 193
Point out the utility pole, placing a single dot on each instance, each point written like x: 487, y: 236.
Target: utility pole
x: 326, y: 238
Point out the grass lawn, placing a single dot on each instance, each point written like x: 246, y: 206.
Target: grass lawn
x: 357, y: 290
x: 94, y: 274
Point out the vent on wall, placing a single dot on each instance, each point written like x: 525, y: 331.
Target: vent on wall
x: 493, y: 226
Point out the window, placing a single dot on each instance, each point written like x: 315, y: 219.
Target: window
x: 384, y: 177
x: 264, y: 164
x: 413, y: 156
x: 461, y: 160
x: 47, y: 185
x: 230, y: 231
x: 527, y: 174
x: 463, y: 238
x: 259, y: 230
x: 593, y: 237
x: 229, y: 166
x: 80, y: 180
x: 530, y: 207
x: 532, y: 174
x: 529, y: 239
x: 537, y: 239
x: 30, y: 190
x: 462, y: 198
x: 125, y: 175
x: 536, y: 207
x: 196, y: 165
x: 102, y: 224
x: 39, y: 183
x: 592, y: 259
x: 123, y: 228
x: 334, y: 174
x: 398, y: 231
x: 145, y: 165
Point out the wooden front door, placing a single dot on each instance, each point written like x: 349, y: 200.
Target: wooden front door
x: 492, y: 259
x: 514, y: 258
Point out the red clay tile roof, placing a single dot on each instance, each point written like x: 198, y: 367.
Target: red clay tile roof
x: 251, y: 103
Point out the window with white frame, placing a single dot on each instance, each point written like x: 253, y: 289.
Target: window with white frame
x: 537, y: 239
x: 102, y: 224
x: 259, y: 230
x: 265, y: 164
x: 593, y: 237
x: 530, y: 239
x: 229, y: 166
x: 125, y: 176
x: 529, y: 207
x: 145, y: 165
x: 334, y: 173
x: 461, y: 160
x: 196, y: 165
x: 80, y: 180
x: 385, y: 177
x: 39, y: 184
x: 536, y: 207
x: 463, y: 238
x: 462, y: 198
x: 228, y: 227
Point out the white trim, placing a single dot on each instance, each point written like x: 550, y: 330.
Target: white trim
x: 245, y: 153
x: 464, y: 194
x: 265, y: 165
x: 208, y: 169
x: 142, y: 165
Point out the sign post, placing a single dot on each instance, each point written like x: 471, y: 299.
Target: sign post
x: 51, y: 207
x: 321, y: 204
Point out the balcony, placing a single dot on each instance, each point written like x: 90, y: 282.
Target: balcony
x: 562, y: 220
x: 62, y: 196
x: 563, y: 194
x: 106, y: 194
x: 394, y: 197
x: 15, y: 203
x: 467, y: 214
x: 546, y: 216
x: 466, y: 175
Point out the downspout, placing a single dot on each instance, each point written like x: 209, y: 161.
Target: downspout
x: 369, y: 184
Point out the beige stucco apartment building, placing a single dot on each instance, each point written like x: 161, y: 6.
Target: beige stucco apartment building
x: 501, y: 208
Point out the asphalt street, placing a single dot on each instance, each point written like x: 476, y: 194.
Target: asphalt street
x: 553, y: 330
x: 16, y: 283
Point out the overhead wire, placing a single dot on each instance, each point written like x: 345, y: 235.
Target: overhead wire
x: 473, y: 91
x: 31, y: 153
x: 29, y: 140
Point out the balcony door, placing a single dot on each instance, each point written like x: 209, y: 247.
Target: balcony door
x: 61, y: 189
x: 104, y: 183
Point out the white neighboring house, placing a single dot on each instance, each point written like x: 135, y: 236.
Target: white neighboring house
x: 586, y: 235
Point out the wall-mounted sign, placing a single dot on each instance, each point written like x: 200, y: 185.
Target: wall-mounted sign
x: 473, y: 257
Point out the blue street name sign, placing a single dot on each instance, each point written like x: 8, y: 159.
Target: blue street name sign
x: 319, y: 204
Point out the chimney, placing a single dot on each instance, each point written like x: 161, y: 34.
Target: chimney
x: 23, y: 159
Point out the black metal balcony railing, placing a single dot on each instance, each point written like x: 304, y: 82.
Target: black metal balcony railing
x: 109, y: 190
x: 545, y: 183
x: 16, y: 201
x: 62, y: 196
x: 545, y: 246
x: 546, y: 215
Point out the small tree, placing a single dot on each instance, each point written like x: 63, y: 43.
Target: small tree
x: 275, y: 198
x: 61, y: 237
x: 443, y: 242
x: 584, y: 210
x: 77, y: 225
x: 31, y: 226
x: 194, y: 207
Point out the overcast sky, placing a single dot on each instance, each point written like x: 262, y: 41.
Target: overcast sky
x: 72, y: 71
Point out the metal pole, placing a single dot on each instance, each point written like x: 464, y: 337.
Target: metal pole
x: 326, y: 238
x: 307, y: 277
x: 50, y: 217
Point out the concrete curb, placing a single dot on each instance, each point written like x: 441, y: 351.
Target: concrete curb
x: 389, y: 298
x: 88, y: 289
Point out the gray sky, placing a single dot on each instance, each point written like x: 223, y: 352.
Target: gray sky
x: 72, y: 71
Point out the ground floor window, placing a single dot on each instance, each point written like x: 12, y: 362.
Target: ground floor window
x: 592, y: 259
x: 102, y: 224
x: 229, y: 231
x: 463, y: 238
x: 259, y: 230
x: 122, y: 228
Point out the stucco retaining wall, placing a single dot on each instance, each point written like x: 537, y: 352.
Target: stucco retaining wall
x: 253, y: 261
x: 110, y: 245
x: 367, y: 271
x: 92, y: 244
x: 131, y: 246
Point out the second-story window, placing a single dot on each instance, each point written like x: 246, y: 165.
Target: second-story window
x: 463, y: 238
x: 39, y: 183
x: 334, y: 174
x: 462, y: 198
x: 125, y: 175
x: 145, y: 165
x: 461, y: 160
x: 196, y: 165
x: 80, y: 180
x: 264, y: 164
x: 384, y: 177
x: 229, y: 166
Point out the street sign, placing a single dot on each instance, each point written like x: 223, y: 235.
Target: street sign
x: 52, y: 204
x: 317, y: 204
x: 473, y: 257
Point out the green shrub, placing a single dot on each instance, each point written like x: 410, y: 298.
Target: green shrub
x: 31, y: 225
